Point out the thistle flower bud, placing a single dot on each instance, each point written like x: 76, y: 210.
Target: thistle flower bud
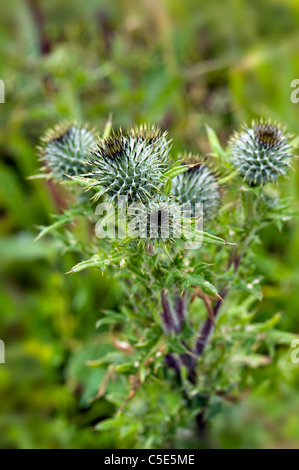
x: 261, y: 153
x: 130, y: 164
x: 160, y: 219
x: 198, y: 185
x: 153, y: 136
x: 64, y: 150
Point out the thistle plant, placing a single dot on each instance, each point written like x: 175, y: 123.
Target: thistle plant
x: 261, y: 153
x: 167, y: 371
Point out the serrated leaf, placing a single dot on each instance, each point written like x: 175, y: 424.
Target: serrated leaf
x: 108, y: 424
x: 114, y: 357
x: 93, y: 262
x: 206, y: 286
x: 253, y: 360
x: 127, y: 368
x: 175, y: 170
x: 167, y: 187
x: 282, y: 337
x: 66, y: 218
x: 216, y: 146
x: 267, y: 325
x: 176, y: 346
x: 110, y: 319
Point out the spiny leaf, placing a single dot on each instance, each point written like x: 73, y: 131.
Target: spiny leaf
x: 216, y: 146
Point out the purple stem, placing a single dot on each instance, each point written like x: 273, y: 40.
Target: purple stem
x: 167, y: 314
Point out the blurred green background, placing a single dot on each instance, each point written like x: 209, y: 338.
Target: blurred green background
x: 177, y: 64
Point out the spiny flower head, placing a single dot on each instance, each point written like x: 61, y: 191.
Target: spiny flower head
x: 158, y: 220
x: 261, y: 153
x: 64, y: 150
x: 153, y: 136
x: 197, y: 185
x: 130, y: 164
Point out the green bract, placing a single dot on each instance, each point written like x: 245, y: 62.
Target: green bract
x: 64, y: 150
x: 261, y: 153
x: 130, y: 164
x: 198, y: 185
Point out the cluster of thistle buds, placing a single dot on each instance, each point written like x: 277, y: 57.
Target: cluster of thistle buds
x: 136, y: 165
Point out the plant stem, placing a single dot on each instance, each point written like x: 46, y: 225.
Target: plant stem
x: 208, y: 325
x: 180, y: 309
x: 167, y: 316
